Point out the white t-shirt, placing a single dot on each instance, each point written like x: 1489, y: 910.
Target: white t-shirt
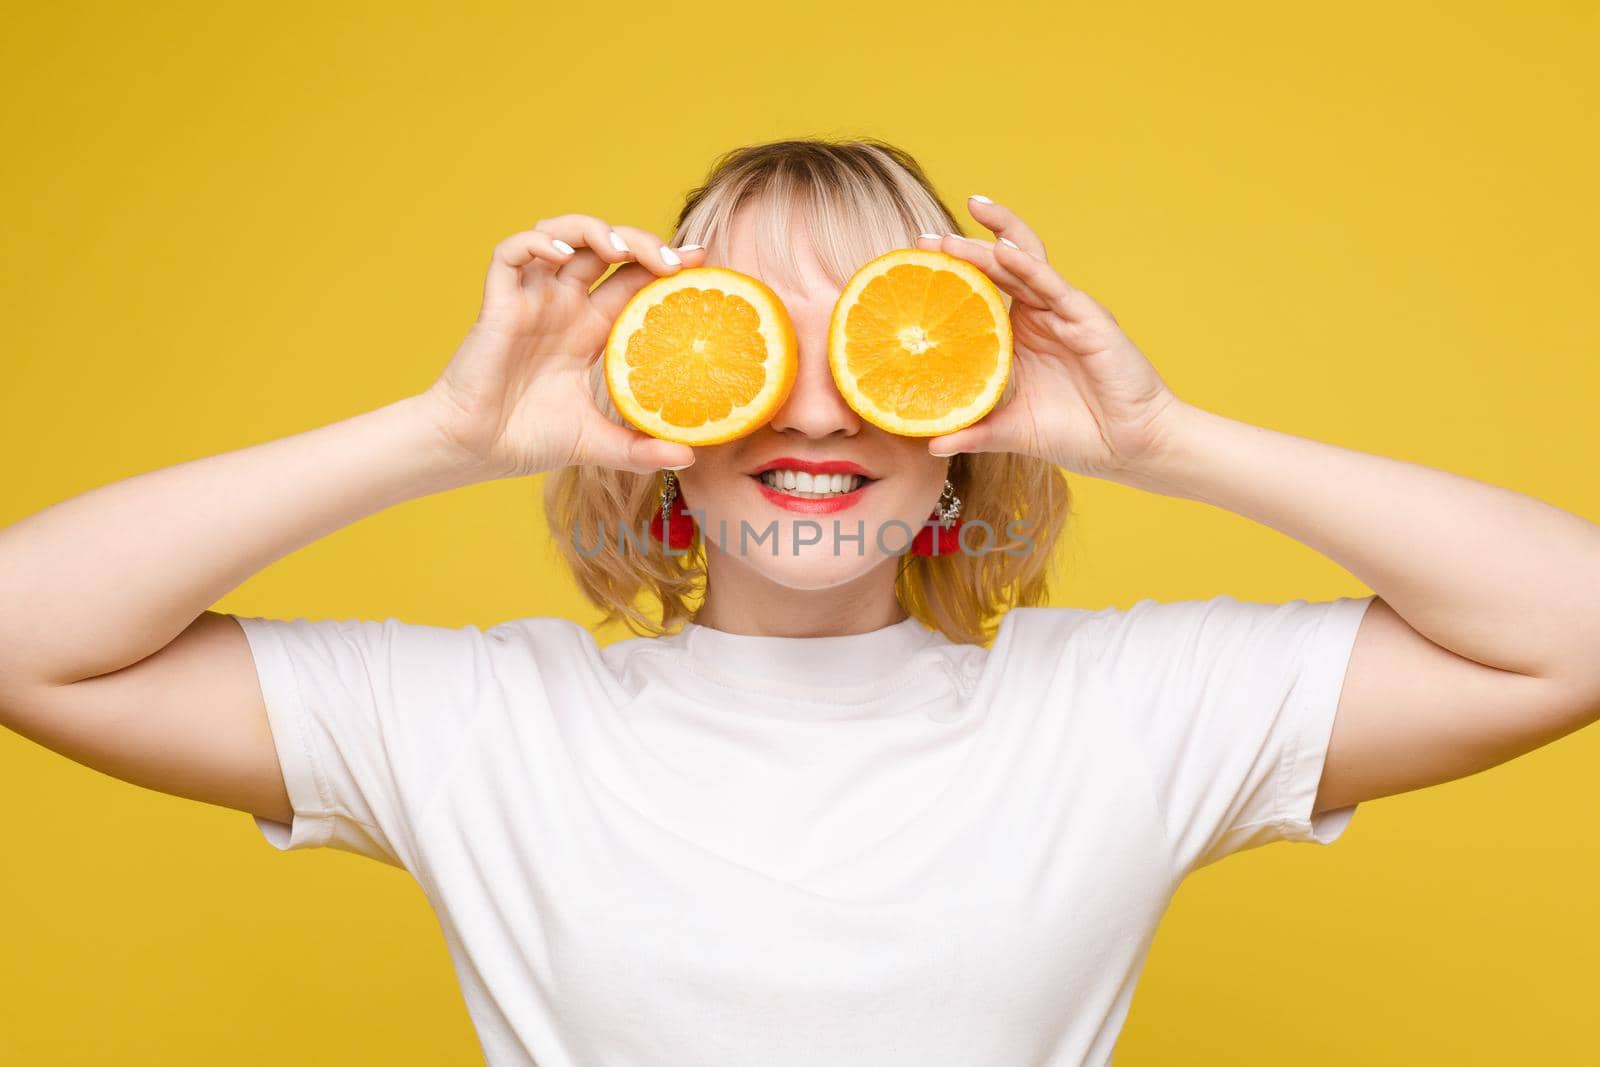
x: 886, y: 849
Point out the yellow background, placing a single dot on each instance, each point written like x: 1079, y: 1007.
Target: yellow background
x: 1372, y: 224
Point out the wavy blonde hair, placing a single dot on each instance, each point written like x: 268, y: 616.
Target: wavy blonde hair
x: 858, y: 198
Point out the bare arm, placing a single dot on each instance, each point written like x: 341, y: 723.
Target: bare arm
x: 108, y: 654
x: 1480, y: 646
x: 105, y: 578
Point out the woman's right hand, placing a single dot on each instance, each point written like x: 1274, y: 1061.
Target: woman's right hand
x: 515, y: 398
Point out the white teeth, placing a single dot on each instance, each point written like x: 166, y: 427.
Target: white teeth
x: 811, y: 486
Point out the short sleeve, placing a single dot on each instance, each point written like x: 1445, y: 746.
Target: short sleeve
x: 1232, y: 704
x: 366, y: 717
x: 1219, y: 711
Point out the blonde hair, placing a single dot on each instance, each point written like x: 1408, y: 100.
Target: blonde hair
x: 858, y: 198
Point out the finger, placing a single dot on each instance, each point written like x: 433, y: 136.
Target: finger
x: 597, y: 245
x: 1063, y: 298
x: 981, y: 255
x: 519, y: 253
x: 992, y: 433
x: 649, y: 251
x: 624, y: 448
x: 618, y: 289
x: 1003, y: 222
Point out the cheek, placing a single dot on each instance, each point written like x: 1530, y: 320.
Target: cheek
x: 710, y: 480
x: 912, y: 494
x: 713, y: 475
x: 920, y: 475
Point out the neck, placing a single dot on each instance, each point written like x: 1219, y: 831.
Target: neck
x: 741, y: 600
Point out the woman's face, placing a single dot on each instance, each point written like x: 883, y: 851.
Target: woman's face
x: 789, y: 539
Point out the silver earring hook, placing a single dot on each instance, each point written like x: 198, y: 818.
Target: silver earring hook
x: 951, y: 511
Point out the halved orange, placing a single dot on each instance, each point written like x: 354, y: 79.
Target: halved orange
x: 920, y: 343
x: 701, y: 356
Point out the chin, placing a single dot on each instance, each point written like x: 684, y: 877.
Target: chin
x: 820, y: 565
x: 813, y: 569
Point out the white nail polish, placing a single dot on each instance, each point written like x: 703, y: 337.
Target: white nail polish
x: 617, y: 242
x: 930, y: 236
x: 690, y: 248
x: 1009, y: 243
x: 670, y: 256
x: 980, y: 198
x: 957, y: 236
x: 561, y: 246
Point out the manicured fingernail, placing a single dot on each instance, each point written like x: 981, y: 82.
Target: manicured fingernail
x: 957, y: 236
x: 680, y: 467
x: 617, y: 242
x: 941, y: 455
x: 1009, y: 243
x: 690, y: 248
x: 561, y: 246
x: 929, y: 236
x: 980, y: 198
x: 670, y: 256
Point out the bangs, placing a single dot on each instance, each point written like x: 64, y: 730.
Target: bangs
x: 855, y: 208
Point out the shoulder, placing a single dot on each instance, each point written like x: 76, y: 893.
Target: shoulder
x: 429, y: 651
x: 414, y: 653
x: 1033, y: 624
x: 1155, y: 638
x: 1148, y: 630
x: 553, y: 644
x: 562, y: 650
x: 1030, y: 634
x: 539, y: 631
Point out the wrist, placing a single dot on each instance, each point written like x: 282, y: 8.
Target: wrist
x: 447, y: 462
x: 1168, y: 466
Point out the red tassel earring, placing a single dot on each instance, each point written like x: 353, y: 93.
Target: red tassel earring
x: 678, y: 522
x: 944, y: 539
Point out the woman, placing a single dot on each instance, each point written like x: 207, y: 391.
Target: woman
x: 813, y: 820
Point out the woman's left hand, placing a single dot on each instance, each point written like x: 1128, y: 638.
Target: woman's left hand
x: 1085, y: 398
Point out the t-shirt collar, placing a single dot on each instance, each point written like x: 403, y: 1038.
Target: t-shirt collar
x: 841, y: 660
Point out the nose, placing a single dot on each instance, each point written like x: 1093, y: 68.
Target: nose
x: 815, y: 406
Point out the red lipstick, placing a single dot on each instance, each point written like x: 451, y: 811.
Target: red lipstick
x: 818, y: 505
x: 813, y: 466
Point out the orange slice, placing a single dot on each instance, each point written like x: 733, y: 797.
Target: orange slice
x: 701, y: 356
x: 920, y: 343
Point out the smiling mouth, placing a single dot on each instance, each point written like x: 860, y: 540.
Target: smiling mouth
x: 803, y: 486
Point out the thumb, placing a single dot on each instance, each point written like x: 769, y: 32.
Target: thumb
x: 625, y: 448
x: 979, y: 437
